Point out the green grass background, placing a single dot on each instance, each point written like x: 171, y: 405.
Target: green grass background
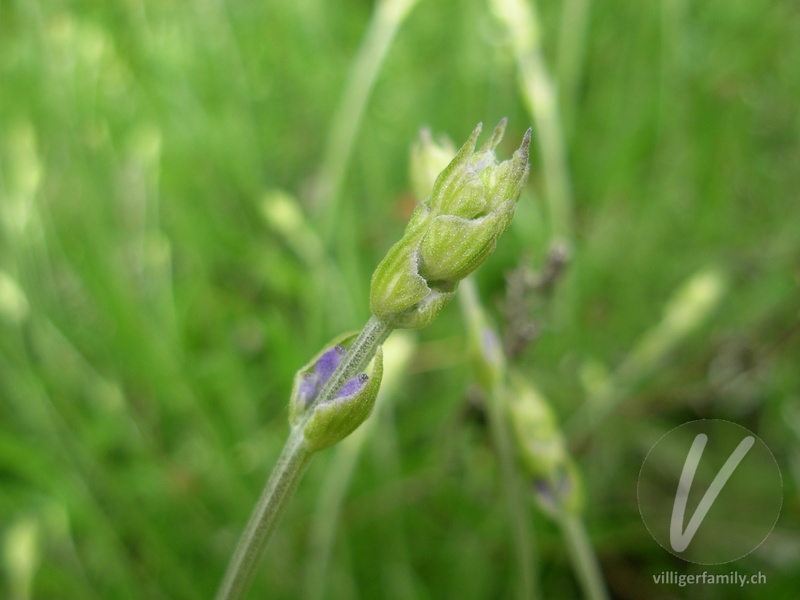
x: 152, y: 318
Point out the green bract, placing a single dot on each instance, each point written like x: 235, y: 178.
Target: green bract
x: 454, y: 247
x: 451, y: 233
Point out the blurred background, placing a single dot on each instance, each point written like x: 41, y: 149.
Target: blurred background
x: 193, y: 197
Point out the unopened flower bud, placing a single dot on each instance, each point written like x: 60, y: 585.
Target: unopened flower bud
x: 333, y: 420
x: 327, y: 420
x: 453, y: 247
x: 311, y: 378
x: 450, y: 234
x: 560, y: 492
x: 428, y: 158
x: 486, y: 356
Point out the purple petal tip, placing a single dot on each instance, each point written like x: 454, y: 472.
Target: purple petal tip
x: 327, y: 363
x: 353, y: 386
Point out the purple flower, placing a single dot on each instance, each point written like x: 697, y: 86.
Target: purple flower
x: 327, y: 363
x: 553, y: 494
x: 312, y: 382
x: 308, y: 388
x: 353, y: 386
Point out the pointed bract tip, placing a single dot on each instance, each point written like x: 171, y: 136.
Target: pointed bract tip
x: 473, y: 137
x: 469, y: 146
x: 524, y: 147
x: 496, y: 136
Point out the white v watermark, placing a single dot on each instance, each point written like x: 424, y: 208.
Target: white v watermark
x: 678, y: 539
x: 735, y: 486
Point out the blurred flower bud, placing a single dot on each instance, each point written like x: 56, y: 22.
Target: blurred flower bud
x: 428, y: 159
x: 686, y: 310
x: 451, y: 234
x: 561, y: 492
x: 542, y: 450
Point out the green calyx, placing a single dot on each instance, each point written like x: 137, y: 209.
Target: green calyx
x: 302, y: 397
x: 396, y: 283
x: 451, y: 233
x: 454, y: 247
x: 333, y: 420
x: 326, y: 415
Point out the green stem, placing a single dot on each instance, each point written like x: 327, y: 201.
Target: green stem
x: 541, y: 99
x: 540, y: 96
x: 584, y: 560
x: 387, y: 18
x: 571, y: 55
x: 398, y: 353
x: 326, y: 517
x: 520, y: 523
x: 290, y: 468
x: 270, y: 507
x: 492, y: 365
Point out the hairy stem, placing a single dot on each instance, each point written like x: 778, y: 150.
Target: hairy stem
x: 290, y: 468
x: 265, y: 516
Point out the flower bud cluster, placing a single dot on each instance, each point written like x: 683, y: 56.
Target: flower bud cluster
x: 451, y: 233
